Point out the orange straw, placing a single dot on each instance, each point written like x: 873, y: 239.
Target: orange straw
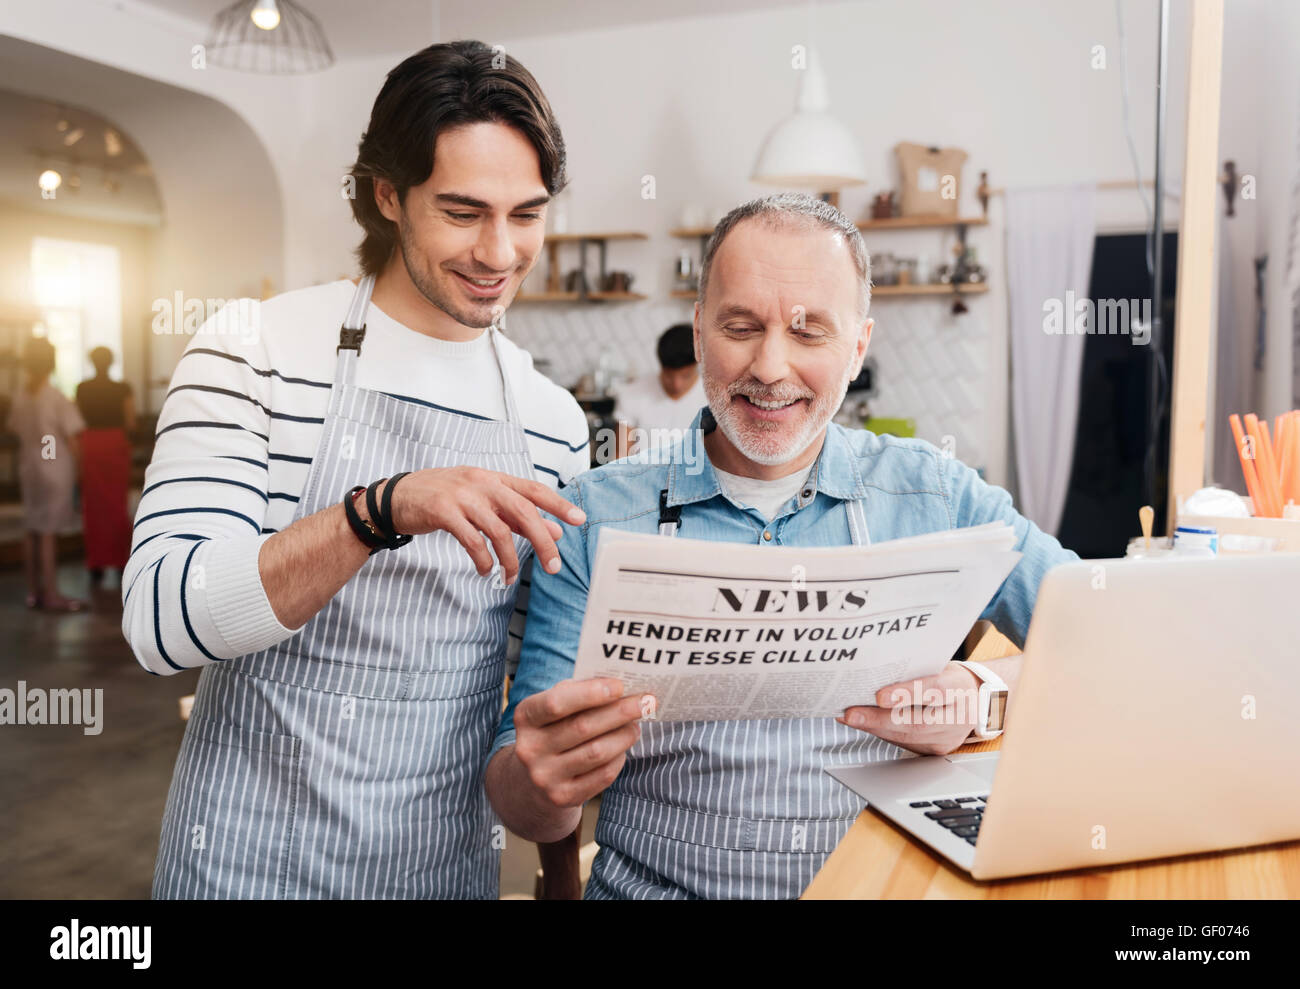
x: 1266, y: 469
x: 1271, y: 457
x: 1247, y: 464
x: 1282, y: 437
x: 1291, y: 479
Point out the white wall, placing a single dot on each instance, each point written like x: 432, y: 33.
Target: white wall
x: 689, y: 101
x: 1011, y: 82
x: 1258, y: 131
x: 1276, y: 106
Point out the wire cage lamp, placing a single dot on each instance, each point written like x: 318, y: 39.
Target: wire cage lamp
x: 275, y: 37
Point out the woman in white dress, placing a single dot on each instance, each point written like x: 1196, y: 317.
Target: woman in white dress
x: 46, y: 423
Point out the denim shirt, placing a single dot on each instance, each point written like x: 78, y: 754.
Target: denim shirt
x: 909, y: 487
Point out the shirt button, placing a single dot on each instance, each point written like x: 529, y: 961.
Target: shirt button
x: 807, y: 492
x: 767, y: 535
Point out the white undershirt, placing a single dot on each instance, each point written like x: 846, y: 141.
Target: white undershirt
x: 769, y: 497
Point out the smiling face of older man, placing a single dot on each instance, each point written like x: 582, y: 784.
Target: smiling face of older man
x: 781, y: 331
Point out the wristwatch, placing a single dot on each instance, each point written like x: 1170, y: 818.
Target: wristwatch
x: 992, y: 704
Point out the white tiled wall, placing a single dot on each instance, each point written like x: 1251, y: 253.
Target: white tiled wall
x: 573, y: 337
x: 931, y: 366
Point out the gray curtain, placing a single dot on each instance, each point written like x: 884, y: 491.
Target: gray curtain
x: 1050, y: 238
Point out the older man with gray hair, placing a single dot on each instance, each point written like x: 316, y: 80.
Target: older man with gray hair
x: 743, y: 808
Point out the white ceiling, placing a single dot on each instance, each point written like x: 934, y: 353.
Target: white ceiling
x: 391, y: 26
x: 41, y: 134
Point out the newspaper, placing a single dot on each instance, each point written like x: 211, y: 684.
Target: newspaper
x: 719, y: 631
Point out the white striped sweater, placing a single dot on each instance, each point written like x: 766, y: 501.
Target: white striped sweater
x: 235, y: 439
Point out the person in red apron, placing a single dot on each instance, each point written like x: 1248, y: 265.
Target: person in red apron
x: 109, y: 411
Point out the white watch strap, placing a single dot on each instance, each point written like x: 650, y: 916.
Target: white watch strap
x: 990, y: 684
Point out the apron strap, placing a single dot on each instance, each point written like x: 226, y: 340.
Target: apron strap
x: 353, y: 331
x: 512, y: 410
x: 857, y: 522
x: 670, y: 519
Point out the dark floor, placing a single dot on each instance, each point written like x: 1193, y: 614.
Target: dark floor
x: 80, y: 814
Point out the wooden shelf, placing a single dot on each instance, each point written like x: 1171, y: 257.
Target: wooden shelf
x: 547, y: 297
x: 919, y: 222
x: 690, y: 232
x: 575, y: 238
x: 970, y: 288
x: 893, y: 223
x: 575, y: 297
x: 554, y: 281
x: 890, y: 291
x: 615, y: 296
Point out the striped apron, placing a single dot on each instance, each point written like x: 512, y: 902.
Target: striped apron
x: 729, y: 809
x: 347, y: 761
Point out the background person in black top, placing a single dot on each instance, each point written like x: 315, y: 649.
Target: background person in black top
x: 109, y: 410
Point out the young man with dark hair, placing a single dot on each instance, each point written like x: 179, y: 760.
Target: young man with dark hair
x: 654, y: 409
x: 346, y: 703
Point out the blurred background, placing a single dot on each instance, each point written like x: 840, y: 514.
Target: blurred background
x: 160, y: 157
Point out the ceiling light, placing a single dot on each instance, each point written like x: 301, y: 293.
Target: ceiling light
x: 72, y: 137
x: 49, y: 180
x: 810, y: 148
x: 266, y: 15
x: 271, y: 36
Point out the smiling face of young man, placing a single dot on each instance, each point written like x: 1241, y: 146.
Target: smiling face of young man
x: 779, y: 339
x: 469, y: 233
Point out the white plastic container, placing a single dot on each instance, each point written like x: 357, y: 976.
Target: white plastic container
x: 1194, y: 540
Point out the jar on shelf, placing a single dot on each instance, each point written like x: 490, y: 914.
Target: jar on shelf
x: 884, y: 269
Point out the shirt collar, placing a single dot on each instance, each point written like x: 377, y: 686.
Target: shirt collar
x: 691, y: 476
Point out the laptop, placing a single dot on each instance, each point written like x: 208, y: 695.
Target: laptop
x: 1157, y: 714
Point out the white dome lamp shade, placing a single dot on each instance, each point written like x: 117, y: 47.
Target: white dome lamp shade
x: 810, y: 148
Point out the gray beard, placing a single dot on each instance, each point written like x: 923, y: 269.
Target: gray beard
x: 728, y: 421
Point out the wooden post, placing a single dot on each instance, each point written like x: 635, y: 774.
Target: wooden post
x: 1196, y: 256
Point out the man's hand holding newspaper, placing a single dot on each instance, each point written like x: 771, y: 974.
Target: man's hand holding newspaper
x: 692, y: 630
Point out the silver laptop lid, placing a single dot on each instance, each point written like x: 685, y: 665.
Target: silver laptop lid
x: 1157, y: 714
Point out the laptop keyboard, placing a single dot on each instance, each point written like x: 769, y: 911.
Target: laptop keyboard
x: 960, y: 815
